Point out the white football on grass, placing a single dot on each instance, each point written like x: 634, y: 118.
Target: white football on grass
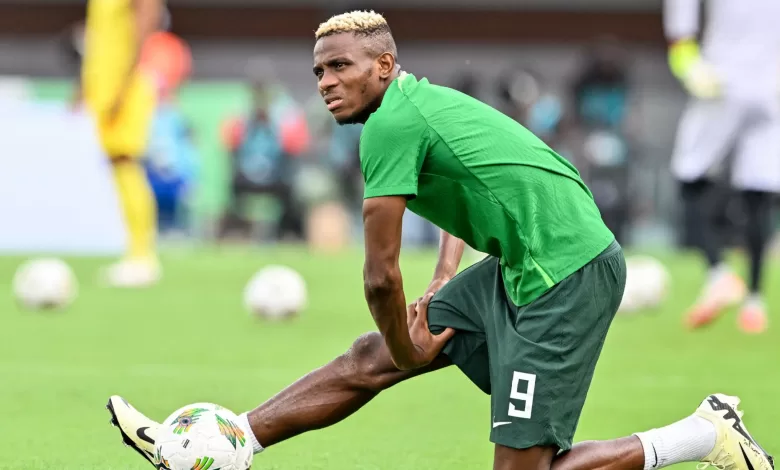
x: 45, y: 283
x: 275, y: 292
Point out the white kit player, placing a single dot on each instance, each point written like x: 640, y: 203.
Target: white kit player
x: 733, y: 76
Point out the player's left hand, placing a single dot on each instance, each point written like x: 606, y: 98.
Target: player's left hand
x: 434, y: 287
x: 426, y: 344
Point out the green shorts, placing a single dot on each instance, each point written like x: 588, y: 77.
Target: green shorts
x: 535, y: 361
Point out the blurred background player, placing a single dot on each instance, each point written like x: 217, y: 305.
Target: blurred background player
x: 734, y: 80
x: 121, y: 99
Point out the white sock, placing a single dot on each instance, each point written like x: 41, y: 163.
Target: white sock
x: 754, y: 300
x: 718, y: 271
x: 243, y: 423
x: 687, y: 440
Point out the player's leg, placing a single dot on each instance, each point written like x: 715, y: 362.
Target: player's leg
x: 338, y: 389
x: 715, y: 433
x: 319, y: 399
x: 757, y: 174
x: 707, y: 132
x: 758, y: 208
x: 332, y: 393
x: 124, y: 139
x: 543, y: 357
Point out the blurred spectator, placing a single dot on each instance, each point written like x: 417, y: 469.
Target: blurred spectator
x: 262, y: 147
x: 172, y: 167
x: 600, y: 96
x: 527, y: 99
x: 517, y: 89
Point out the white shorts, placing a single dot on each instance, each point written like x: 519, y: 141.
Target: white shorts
x: 709, y: 130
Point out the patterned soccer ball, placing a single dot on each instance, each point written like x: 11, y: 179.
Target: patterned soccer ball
x: 202, y: 436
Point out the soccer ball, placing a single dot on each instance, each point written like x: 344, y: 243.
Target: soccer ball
x: 202, y: 436
x: 45, y: 283
x: 275, y: 292
x: 647, y: 282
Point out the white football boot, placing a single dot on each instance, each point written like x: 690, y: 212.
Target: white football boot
x: 134, y: 273
x: 735, y: 448
x: 138, y: 431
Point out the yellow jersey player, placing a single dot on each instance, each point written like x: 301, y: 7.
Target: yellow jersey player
x: 122, y: 99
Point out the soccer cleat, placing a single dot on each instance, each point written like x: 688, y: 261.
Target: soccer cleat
x: 753, y: 318
x: 138, y: 431
x: 723, y: 292
x: 735, y: 448
x: 134, y: 273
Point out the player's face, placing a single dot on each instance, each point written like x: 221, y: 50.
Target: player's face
x: 350, y: 80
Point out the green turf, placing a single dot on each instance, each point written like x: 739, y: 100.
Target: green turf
x: 189, y: 340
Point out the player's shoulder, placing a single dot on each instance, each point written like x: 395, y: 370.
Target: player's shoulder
x: 398, y: 108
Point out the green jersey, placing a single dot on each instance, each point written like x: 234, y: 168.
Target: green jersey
x: 485, y: 179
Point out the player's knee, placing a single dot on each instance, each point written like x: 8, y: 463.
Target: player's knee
x: 364, y: 363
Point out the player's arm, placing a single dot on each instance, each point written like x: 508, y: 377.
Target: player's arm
x: 382, y: 279
x: 450, y: 254
x: 681, y: 26
x: 148, y: 15
x: 404, y: 329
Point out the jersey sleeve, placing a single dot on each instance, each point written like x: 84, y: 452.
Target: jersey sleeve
x: 392, y: 150
x: 681, y: 18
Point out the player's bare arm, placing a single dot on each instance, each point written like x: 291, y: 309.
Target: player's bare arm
x: 148, y: 14
x: 383, y: 284
x: 450, y: 254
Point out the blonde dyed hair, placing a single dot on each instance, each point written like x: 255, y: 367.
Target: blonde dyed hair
x: 363, y: 23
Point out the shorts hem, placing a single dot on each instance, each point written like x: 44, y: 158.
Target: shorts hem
x: 548, y: 441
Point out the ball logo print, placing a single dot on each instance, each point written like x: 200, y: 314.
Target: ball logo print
x: 231, y: 431
x: 185, y: 420
x: 158, y: 459
x: 203, y: 463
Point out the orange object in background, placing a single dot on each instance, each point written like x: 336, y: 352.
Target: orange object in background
x: 169, y: 58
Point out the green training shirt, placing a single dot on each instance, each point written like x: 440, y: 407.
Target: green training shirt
x: 484, y: 178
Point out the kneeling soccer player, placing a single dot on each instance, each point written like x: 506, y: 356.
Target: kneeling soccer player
x: 526, y: 324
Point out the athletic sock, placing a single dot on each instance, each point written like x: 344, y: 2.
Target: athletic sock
x: 138, y: 208
x: 699, y: 206
x: 243, y: 423
x: 718, y: 271
x: 687, y: 440
x: 758, y: 207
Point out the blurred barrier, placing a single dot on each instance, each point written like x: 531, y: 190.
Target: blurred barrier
x: 56, y: 193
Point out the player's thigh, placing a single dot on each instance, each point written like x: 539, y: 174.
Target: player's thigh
x: 757, y: 160
x: 534, y: 458
x: 127, y: 134
x: 543, y: 355
x: 706, y: 133
x: 462, y: 305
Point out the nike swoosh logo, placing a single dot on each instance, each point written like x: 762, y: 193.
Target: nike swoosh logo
x: 656, y: 456
x: 141, y: 433
x: 747, y: 460
x: 503, y: 423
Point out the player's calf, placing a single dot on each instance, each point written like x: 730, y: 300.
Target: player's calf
x: 331, y: 393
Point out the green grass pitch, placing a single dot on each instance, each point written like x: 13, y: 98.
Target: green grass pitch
x: 189, y: 340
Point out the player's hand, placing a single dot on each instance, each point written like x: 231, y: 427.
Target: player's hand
x: 434, y: 287
x: 427, y: 345
x: 697, y: 75
x: 113, y: 110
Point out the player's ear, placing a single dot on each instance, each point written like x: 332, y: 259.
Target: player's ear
x: 386, y: 63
